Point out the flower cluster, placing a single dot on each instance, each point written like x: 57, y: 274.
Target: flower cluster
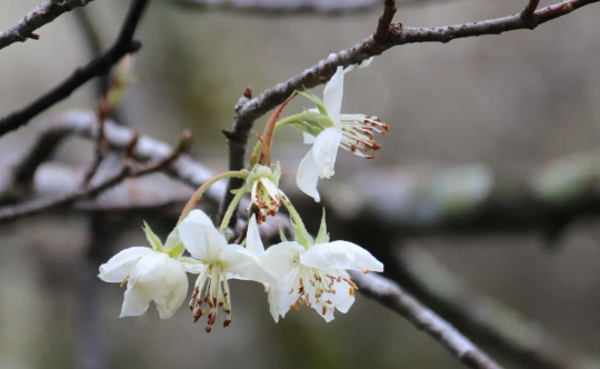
x: 307, y: 271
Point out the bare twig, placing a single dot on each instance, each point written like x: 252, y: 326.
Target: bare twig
x: 383, y: 27
x: 98, y: 66
x: 45, y: 13
x: 12, y: 213
x: 391, y: 295
x: 528, y: 13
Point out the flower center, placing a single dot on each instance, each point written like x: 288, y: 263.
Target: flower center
x: 358, y: 134
x: 316, y: 287
x: 211, y: 288
x: 266, y: 197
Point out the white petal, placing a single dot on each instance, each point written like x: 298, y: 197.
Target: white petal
x: 253, y: 242
x: 173, y: 291
x: 328, y: 316
x: 280, y: 259
x: 333, y: 93
x: 240, y: 263
x: 342, y: 299
x: 272, y: 190
x: 149, y: 269
x: 307, y: 176
x: 345, y: 304
x: 325, y: 150
x: 192, y: 266
x: 273, y: 298
x: 200, y: 237
x: 135, y: 302
x: 119, y: 266
x: 308, y: 138
x: 340, y: 255
x: 285, y: 297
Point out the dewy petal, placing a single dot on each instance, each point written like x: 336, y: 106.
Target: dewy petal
x: 120, y: 265
x: 200, y: 237
x: 325, y: 150
x: 340, y: 255
x: 253, y: 242
x: 279, y: 259
x: 135, y: 302
x: 308, y: 138
x: 308, y: 176
x: 333, y: 94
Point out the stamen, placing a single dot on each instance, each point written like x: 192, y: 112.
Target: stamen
x: 123, y: 282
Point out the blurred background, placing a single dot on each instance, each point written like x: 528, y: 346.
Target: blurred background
x: 509, y: 104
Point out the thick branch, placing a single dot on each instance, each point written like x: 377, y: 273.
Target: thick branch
x: 45, y: 13
x: 391, y: 295
x: 98, y: 66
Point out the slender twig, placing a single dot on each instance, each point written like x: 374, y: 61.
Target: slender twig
x: 98, y: 66
x: 12, y: 213
x: 528, y: 13
x: 383, y: 27
x: 391, y: 295
x: 45, y: 13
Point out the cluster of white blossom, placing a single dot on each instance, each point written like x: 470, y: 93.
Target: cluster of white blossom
x: 307, y: 271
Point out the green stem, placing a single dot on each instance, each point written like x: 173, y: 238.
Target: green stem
x: 232, y: 207
x: 293, y: 212
x: 200, y: 191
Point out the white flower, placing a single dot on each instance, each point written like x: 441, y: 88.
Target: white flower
x: 352, y: 132
x: 313, y: 275
x: 152, y: 274
x: 220, y: 262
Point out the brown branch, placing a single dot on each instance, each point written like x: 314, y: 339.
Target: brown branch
x: 98, y: 66
x: 392, y: 296
x: 45, y: 13
x: 322, y: 71
x: 383, y: 27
